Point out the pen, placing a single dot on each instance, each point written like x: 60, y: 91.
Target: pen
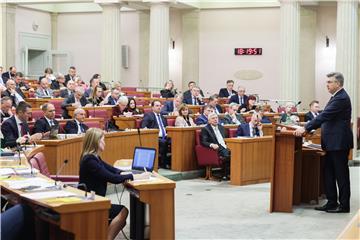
x: 145, y: 169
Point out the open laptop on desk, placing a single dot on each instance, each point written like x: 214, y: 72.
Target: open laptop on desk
x: 143, y: 158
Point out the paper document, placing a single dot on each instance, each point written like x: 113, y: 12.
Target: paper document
x: 6, y: 171
x: 48, y: 194
x: 30, y: 183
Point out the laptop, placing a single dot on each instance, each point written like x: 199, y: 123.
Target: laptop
x: 143, y: 158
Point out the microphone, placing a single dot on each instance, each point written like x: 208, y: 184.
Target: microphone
x: 139, y: 136
x: 59, y: 171
x: 298, y: 103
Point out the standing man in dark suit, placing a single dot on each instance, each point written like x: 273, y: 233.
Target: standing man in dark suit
x: 16, y: 130
x: 77, y: 125
x: 228, y: 91
x: 336, y: 140
x: 71, y: 75
x: 75, y: 100
x: 155, y: 120
x: 9, y: 75
x: 240, y: 98
x: 172, y: 107
x: 194, y: 98
x: 314, y: 111
x: 212, y: 136
x: 44, y: 124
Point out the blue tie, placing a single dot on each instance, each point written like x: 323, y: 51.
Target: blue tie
x: 161, y: 126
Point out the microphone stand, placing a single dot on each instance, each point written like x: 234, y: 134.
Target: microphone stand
x: 57, y: 173
x: 139, y: 136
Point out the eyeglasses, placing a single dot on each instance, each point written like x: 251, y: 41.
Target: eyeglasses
x: 330, y: 81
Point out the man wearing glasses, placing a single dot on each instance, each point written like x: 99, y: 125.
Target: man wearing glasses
x: 336, y: 141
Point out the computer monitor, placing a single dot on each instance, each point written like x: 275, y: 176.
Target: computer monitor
x: 144, y: 157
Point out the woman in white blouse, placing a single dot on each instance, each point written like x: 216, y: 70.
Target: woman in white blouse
x: 184, y: 120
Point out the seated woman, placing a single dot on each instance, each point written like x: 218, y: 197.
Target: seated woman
x: 288, y: 117
x: 184, y: 120
x: 250, y: 104
x: 96, y: 98
x: 168, y: 91
x: 96, y: 173
x: 131, y: 107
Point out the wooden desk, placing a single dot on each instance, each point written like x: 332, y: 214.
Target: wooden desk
x: 194, y: 109
x: 251, y: 159
x: 119, y: 145
x: 126, y: 122
x: 108, y: 108
x: 37, y: 102
x: 147, y: 94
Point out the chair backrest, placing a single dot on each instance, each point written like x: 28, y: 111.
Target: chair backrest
x: 282, y: 109
x: 61, y: 127
x: 146, y: 110
x: 138, y: 122
x: 93, y: 124
x: 197, y: 137
x: 40, y: 164
x: 99, y: 113
x: 124, y: 89
x: 232, y: 132
x: 156, y: 95
x: 57, y: 105
x: 36, y: 114
x: 135, y: 94
x: 170, y: 122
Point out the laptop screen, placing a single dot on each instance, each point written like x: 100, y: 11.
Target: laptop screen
x: 144, y: 157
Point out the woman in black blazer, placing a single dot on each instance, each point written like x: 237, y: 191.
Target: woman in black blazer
x: 96, y: 173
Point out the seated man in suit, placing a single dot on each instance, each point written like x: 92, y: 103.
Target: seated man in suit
x: 5, y: 108
x: 113, y: 98
x: 289, y: 117
x: 212, y: 136
x: 187, y: 93
x: 9, y: 75
x: 172, y: 107
x: 16, y: 130
x: 314, y: 111
x: 75, y: 100
x: 69, y: 90
x: 44, y: 91
x: 203, y: 118
x: 13, y: 92
x: 58, y: 83
x: 228, y: 91
x: 155, y: 120
x: 44, y: 124
x: 213, y: 101
x: 77, y: 125
x: 195, y: 98
x: 251, y: 129
x: 233, y: 117
x: 19, y: 81
x: 71, y: 75
x: 240, y: 98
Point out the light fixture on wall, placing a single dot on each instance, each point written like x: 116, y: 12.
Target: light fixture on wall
x: 172, y: 43
x: 327, y: 40
x: 35, y: 26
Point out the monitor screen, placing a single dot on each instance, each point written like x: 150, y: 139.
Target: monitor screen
x: 144, y: 157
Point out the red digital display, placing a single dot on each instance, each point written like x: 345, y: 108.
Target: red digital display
x: 248, y: 51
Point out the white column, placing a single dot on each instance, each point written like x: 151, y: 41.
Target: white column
x: 159, y: 44
x: 8, y: 12
x: 289, y: 42
x: 54, y: 30
x: 347, y: 52
x: 111, y: 40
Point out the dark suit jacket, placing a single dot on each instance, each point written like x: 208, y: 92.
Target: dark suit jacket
x: 167, y: 108
x: 166, y: 93
x: 55, y: 85
x: 111, y: 101
x: 228, y: 120
x: 309, y: 116
x: 208, y: 137
x: 70, y: 100
x: 42, y: 125
x: 187, y: 93
x: 202, y: 119
x: 96, y: 173
x: 67, y: 78
x: 223, y: 93
x: 10, y: 131
x: 149, y: 121
x: 188, y: 100
x: 6, y: 75
x: 72, y: 128
x: 244, y: 130
x: 218, y: 107
x: 64, y: 93
x: 235, y: 99
x: 335, y: 123
x: 7, y: 93
x: 4, y: 115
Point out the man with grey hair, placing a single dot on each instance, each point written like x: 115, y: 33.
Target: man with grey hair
x: 113, y: 98
x: 47, y: 122
x: 75, y: 100
x: 77, y: 125
x: 13, y: 92
x: 240, y: 98
x: 59, y: 82
x: 172, y: 107
x: 232, y: 116
x: 336, y: 141
x: 44, y: 91
x: 5, y: 108
x: 194, y: 98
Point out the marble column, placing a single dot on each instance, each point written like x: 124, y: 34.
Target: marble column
x: 8, y: 12
x: 54, y: 30
x: 159, y: 44
x: 289, y: 49
x: 347, y: 52
x: 144, y: 31
x: 111, y: 41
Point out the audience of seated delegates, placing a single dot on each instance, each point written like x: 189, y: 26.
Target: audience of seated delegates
x: 228, y: 91
x: 250, y: 104
x: 93, y: 83
x: 58, y: 83
x: 194, y: 98
x: 101, y: 84
x: 19, y: 81
x: 155, y: 120
x: 232, y: 116
x: 172, y: 107
x: 71, y: 75
x: 13, y: 92
x: 96, y: 173
x: 96, y: 98
x: 212, y: 136
x: 17, y: 223
x: 169, y: 91
x: 69, y: 90
x: 251, y: 129
x: 213, y: 101
x: 75, y: 100
x: 16, y: 129
x: 9, y: 75
x: 48, y: 74
x: 288, y: 117
x: 76, y: 126
x: 44, y: 124
x: 131, y: 107
x: 314, y: 111
x: 5, y: 108
x: 43, y: 91
x: 187, y: 93
x: 184, y: 119
x: 240, y: 98
x: 203, y: 118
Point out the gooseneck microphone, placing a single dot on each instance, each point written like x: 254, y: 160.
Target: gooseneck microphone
x: 139, y: 136
x: 298, y: 103
x: 59, y: 171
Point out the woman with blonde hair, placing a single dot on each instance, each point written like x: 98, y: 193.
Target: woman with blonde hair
x: 96, y: 98
x: 184, y: 120
x: 96, y: 173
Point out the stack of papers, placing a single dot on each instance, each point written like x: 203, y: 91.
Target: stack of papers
x: 35, y: 183
x: 48, y: 194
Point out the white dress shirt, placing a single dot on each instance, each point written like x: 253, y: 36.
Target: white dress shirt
x: 219, y: 137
